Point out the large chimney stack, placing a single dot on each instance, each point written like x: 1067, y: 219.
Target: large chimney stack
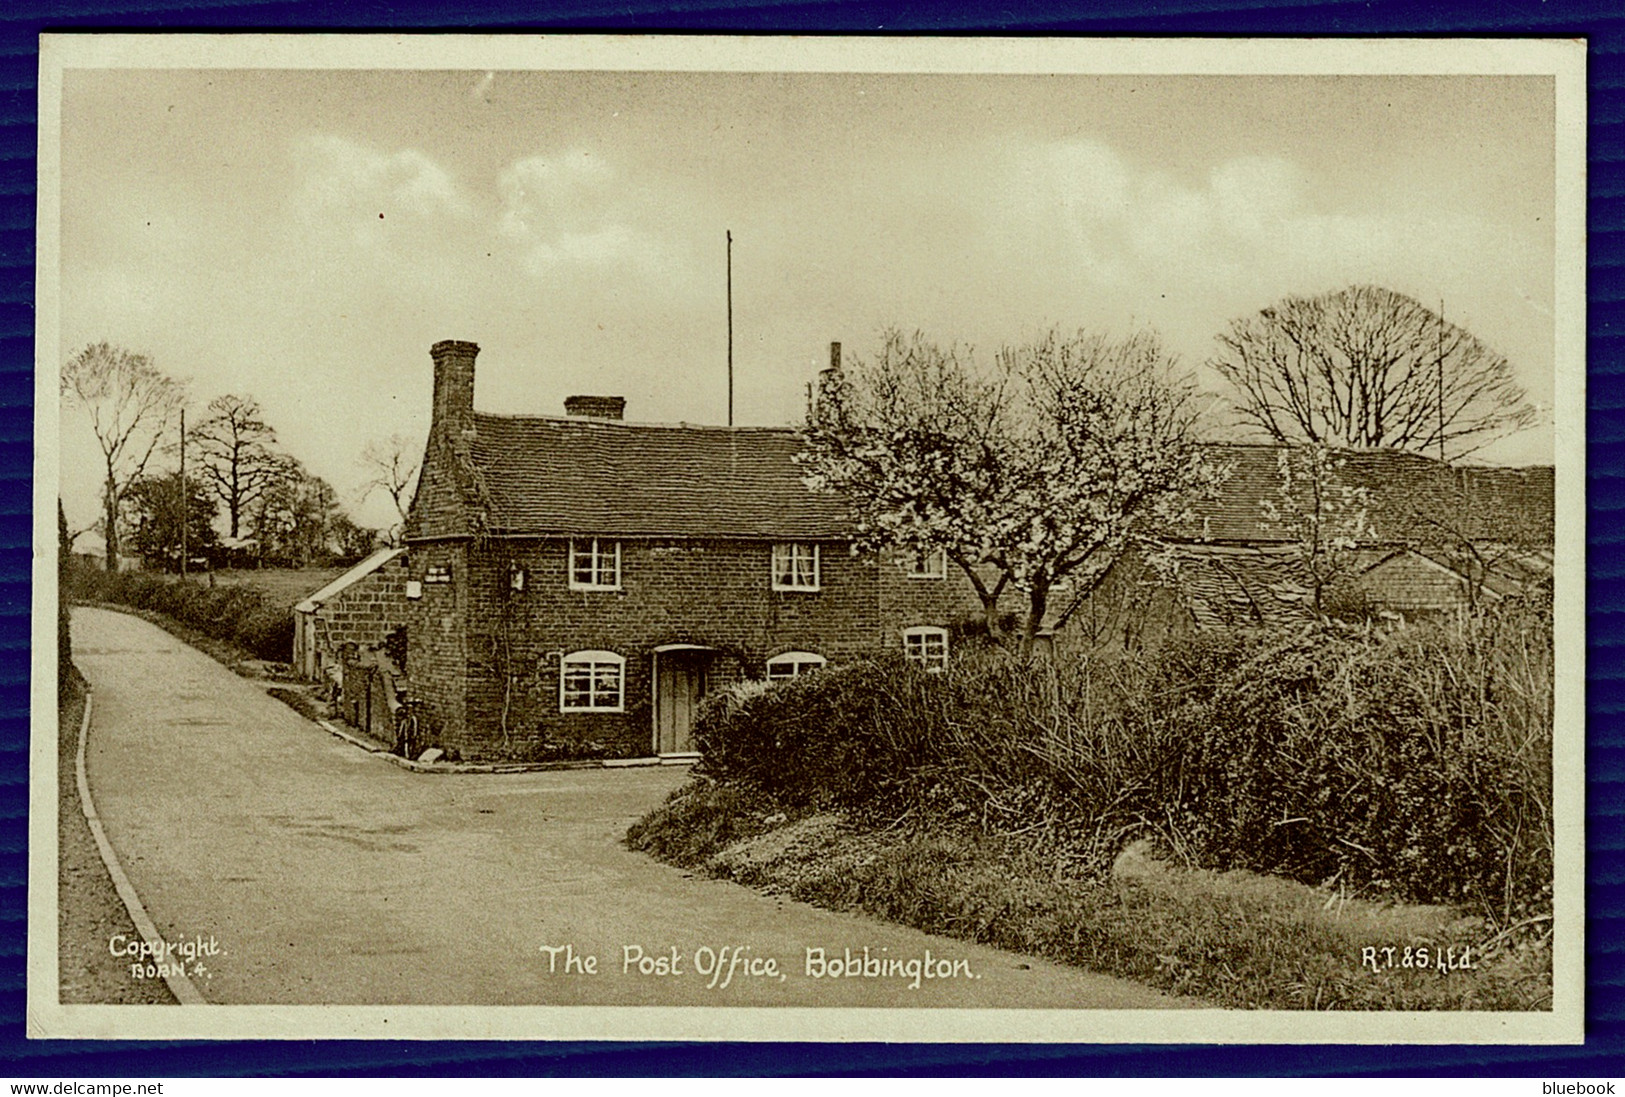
x: 453, y: 386
x: 595, y: 407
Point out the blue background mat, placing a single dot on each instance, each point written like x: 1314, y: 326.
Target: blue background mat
x: 1604, y: 25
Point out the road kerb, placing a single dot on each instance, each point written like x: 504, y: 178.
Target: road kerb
x: 184, y: 990
x: 494, y: 767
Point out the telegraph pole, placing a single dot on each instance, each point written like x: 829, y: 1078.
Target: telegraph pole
x: 730, y: 327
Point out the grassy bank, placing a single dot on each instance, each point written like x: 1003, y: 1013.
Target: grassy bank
x: 1316, y: 790
x: 236, y: 612
x: 1236, y: 939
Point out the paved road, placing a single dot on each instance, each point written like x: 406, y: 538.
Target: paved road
x: 328, y: 875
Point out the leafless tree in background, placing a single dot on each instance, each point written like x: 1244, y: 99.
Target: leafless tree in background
x: 130, y: 404
x: 393, y: 463
x: 1366, y: 367
x: 237, y: 455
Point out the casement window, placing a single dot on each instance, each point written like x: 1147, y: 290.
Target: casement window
x: 793, y: 664
x: 592, y: 681
x: 595, y: 565
x: 928, y: 564
x: 926, y: 645
x: 795, y: 566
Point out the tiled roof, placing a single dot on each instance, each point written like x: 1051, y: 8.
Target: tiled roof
x: 576, y: 475
x: 1510, y: 570
x: 1404, y: 488
x: 1225, y: 587
x: 547, y: 475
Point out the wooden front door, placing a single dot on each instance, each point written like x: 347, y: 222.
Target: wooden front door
x: 679, y: 685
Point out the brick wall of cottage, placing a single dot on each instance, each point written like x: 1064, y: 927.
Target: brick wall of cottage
x: 906, y: 600
x: 437, y: 639
x: 717, y: 594
x: 365, y: 613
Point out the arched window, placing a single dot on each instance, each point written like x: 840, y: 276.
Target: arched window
x: 926, y: 645
x: 793, y: 664
x: 592, y: 681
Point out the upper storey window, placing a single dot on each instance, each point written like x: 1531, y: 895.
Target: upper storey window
x: 595, y: 565
x: 929, y: 564
x: 795, y: 566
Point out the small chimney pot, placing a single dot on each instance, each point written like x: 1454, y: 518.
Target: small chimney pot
x: 595, y: 407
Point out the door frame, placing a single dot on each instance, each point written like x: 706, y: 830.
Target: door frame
x: 654, y: 693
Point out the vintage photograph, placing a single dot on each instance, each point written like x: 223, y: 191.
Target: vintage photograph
x: 824, y: 539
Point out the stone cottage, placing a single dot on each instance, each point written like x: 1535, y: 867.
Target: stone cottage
x: 578, y: 583
x: 361, y: 608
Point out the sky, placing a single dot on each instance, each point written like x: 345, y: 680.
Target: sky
x: 304, y: 237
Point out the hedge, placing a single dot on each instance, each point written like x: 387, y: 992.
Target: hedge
x: 1414, y: 762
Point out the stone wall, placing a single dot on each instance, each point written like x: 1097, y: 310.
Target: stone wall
x: 368, y: 699
x: 365, y: 613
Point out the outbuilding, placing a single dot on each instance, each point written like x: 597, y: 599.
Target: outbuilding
x: 361, y: 607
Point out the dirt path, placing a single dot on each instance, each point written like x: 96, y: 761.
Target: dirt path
x: 326, y: 875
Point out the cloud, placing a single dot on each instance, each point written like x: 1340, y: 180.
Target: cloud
x: 343, y: 177
x: 574, y: 209
x: 1250, y: 221
x: 1254, y: 195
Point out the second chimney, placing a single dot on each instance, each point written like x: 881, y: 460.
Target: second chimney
x: 595, y: 407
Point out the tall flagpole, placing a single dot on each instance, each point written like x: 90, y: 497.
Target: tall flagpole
x: 183, y: 493
x: 1439, y: 353
x: 730, y: 327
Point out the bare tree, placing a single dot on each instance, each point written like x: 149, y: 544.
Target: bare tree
x: 393, y: 463
x: 1036, y: 473
x: 1366, y: 367
x: 130, y: 404
x: 237, y: 456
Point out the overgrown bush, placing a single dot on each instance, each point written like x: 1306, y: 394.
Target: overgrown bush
x: 233, y: 613
x: 1414, y: 762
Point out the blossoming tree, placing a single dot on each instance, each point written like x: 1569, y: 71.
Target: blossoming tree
x: 1327, y: 519
x: 1036, y: 471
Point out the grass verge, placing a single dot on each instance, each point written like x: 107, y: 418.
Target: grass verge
x: 1235, y: 938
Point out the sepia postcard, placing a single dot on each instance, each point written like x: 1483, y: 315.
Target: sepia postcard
x: 828, y: 539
